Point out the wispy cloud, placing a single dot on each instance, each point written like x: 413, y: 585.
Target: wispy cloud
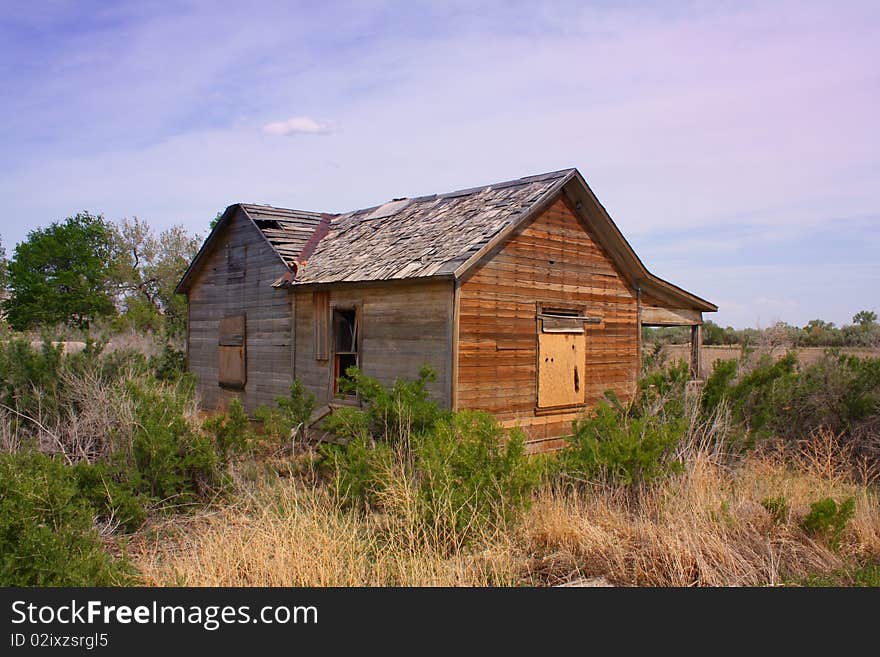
x: 300, y: 125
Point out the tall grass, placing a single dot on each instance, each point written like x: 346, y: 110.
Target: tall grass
x: 705, y: 526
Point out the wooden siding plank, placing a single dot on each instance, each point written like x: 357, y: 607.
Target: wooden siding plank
x: 553, y: 260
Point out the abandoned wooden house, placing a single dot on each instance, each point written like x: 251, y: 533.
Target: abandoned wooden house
x: 523, y: 296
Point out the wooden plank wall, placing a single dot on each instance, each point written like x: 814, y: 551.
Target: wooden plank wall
x: 554, y: 259
x: 215, y: 294
x: 402, y: 326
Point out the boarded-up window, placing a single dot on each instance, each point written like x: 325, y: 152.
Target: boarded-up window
x: 232, y: 369
x: 345, y: 343
x: 561, y: 353
x: 321, y: 308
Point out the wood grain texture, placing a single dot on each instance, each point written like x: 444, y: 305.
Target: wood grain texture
x: 561, y: 358
x: 554, y: 261
x: 214, y: 295
x: 401, y: 328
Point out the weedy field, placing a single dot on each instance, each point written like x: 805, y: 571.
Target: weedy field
x: 768, y: 475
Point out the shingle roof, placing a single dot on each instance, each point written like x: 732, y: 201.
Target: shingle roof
x: 404, y: 238
x: 425, y: 236
x: 437, y: 235
x: 288, y: 231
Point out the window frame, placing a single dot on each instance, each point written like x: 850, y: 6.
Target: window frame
x: 333, y: 359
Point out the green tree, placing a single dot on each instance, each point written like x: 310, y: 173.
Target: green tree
x: 865, y: 317
x: 147, y: 267
x: 60, y: 274
x: 216, y: 220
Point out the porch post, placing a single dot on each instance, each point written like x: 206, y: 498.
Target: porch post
x: 696, y: 348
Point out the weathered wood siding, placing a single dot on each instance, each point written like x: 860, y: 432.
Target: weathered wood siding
x: 402, y: 326
x: 217, y: 293
x: 554, y: 259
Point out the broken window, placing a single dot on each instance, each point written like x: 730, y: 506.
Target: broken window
x: 321, y: 308
x: 345, y: 343
x: 561, y: 357
x: 232, y: 367
x: 561, y: 320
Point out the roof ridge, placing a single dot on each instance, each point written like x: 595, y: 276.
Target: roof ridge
x: 500, y: 184
x: 276, y: 207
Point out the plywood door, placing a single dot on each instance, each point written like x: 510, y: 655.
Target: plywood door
x: 560, y: 369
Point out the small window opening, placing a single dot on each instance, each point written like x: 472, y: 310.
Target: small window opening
x: 561, y: 320
x: 345, y: 342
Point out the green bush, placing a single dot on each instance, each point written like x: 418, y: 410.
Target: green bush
x: 828, y: 520
x: 29, y: 378
x: 46, y: 532
x: 108, y: 488
x: 396, y: 412
x: 608, y: 444
x: 661, y: 393
x: 171, y: 461
x: 349, y: 423
x: 360, y: 470
x: 170, y: 364
x: 473, y: 475
x: 717, y: 385
x: 230, y: 431
x: 470, y: 474
x: 783, y: 399
x: 290, y: 412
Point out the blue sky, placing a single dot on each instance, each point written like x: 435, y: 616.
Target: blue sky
x: 736, y: 145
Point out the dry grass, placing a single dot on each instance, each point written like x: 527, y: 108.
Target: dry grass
x: 705, y: 527
x: 287, y: 534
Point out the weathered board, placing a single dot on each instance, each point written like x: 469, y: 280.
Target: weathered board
x: 235, y: 281
x: 554, y: 261
x: 401, y: 327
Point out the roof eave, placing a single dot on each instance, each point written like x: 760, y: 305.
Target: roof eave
x: 183, y: 285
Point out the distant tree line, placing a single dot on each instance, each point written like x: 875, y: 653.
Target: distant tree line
x: 863, y: 332
x: 87, y: 268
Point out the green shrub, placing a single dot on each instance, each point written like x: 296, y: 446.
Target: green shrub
x: 46, y: 532
x: 290, y: 412
x: 30, y: 378
x: 171, y: 461
x: 170, y: 364
x: 777, y: 507
x: 473, y: 475
x: 623, y: 450
x: 783, y: 399
x: 661, y: 392
x: 349, y: 423
x: 717, y: 385
x: 230, y: 431
x: 108, y: 488
x: 470, y: 474
x: 828, y: 520
x: 396, y: 412
x: 360, y: 470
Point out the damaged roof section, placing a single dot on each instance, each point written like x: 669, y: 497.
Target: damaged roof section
x: 437, y: 235
x: 419, y: 237
x: 288, y: 231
